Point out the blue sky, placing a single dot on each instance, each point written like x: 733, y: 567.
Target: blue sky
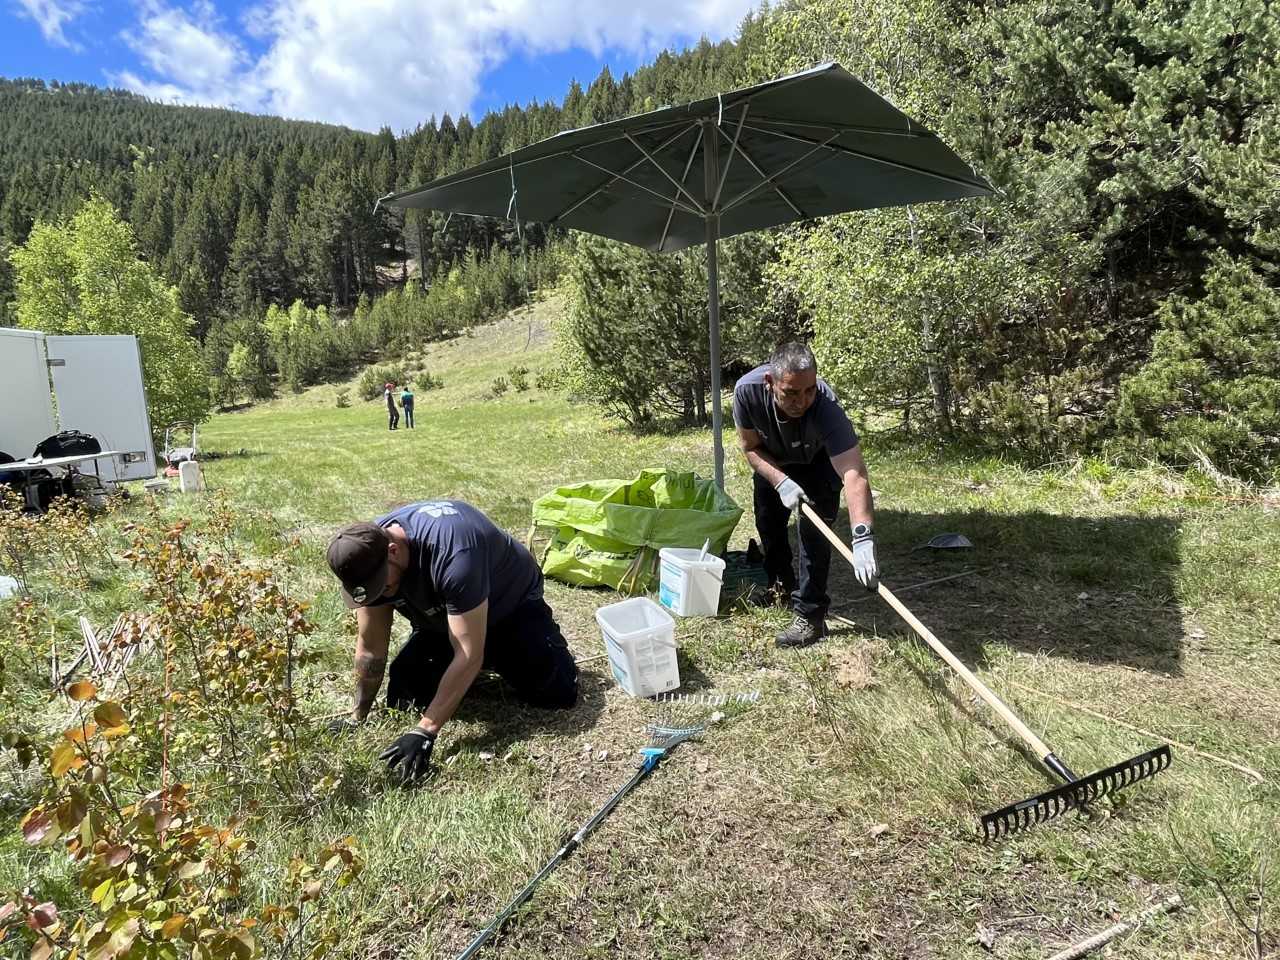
x: 363, y: 63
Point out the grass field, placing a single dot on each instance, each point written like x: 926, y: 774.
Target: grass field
x: 837, y: 818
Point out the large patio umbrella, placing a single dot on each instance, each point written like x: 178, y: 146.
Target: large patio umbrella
x: 807, y: 145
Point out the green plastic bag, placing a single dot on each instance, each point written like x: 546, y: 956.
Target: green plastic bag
x: 608, y: 532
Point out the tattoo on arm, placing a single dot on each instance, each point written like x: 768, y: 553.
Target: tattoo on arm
x: 368, y: 675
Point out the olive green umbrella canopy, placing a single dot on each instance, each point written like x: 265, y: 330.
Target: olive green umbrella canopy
x: 804, y: 146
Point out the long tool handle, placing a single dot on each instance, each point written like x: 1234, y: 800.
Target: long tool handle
x: 980, y: 688
x: 562, y: 854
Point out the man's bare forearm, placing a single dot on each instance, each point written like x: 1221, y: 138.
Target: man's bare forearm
x: 368, y: 676
x: 857, y: 494
x: 454, y: 684
x: 764, y: 465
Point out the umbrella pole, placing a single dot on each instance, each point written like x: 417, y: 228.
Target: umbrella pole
x: 711, y: 171
x: 713, y: 297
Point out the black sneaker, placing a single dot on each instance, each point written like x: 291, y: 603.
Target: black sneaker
x: 802, y: 632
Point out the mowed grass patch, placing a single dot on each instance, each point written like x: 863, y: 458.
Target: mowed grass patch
x: 838, y: 817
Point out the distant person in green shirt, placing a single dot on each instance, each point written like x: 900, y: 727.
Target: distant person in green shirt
x: 406, y: 401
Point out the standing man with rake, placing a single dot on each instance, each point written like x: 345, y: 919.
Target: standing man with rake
x: 802, y: 448
x: 473, y: 596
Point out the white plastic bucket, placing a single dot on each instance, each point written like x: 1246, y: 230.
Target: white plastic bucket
x: 640, y: 638
x: 689, y: 586
x: 190, y: 478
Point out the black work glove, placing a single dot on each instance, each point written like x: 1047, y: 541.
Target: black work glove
x: 342, y: 725
x: 410, y: 754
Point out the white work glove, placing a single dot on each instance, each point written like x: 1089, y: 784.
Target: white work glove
x: 791, y: 494
x: 865, y: 567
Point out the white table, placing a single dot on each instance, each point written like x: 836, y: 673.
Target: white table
x: 37, y: 463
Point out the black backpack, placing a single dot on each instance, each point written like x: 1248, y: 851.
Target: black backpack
x: 68, y: 443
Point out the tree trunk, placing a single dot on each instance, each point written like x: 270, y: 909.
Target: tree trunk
x: 422, y: 254
x: 346, y: 272
x: 939, y: 387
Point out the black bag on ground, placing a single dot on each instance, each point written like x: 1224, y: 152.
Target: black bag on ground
x: 10, y: 478
x: 68, y: 443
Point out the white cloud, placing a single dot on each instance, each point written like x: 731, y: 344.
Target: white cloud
x: 192, y: 56
x: 51, y: 16
x: 393, y: 62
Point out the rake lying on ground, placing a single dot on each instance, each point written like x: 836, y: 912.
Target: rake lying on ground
x: 683, y: 717
x: 1076, y: 792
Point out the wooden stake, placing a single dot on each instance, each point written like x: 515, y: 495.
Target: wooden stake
x: 91, y: 643
x: 1088, y: 946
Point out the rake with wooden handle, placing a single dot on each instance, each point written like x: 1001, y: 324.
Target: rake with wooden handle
x: 1076, y: 792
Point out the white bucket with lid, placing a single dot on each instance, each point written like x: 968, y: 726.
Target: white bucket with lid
x: 640, y: 638
x: 689, y: 584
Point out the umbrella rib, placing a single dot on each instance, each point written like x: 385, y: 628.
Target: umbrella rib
x: 464, y: 176
x: 613, y: 177
x: 639, y: 186
x: 849, y: 128
x: 782, y: 193
x: 839, y: 148
x: 679, y: 187
x: 671, y: 212
x: 769, y: 181
x: 724, y: 174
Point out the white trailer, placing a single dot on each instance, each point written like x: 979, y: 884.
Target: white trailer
x: 87, y: 383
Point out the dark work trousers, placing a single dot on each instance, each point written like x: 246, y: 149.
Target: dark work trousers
x: 393, y: 416
x: 408, y: 416
x: 526, y: 649
x: 808, y: 597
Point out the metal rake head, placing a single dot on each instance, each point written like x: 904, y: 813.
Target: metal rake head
x: 682, y: 716
x: 1074, y: 795
x: 664, y: 737
x: 704, y: 703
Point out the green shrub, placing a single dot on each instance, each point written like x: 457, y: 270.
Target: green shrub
x: 309, y: 345
x: 376, y: 377
x: 344, y: 398
x: 635, y: 339
x: 1212, y: 386
x: 426, y: 381
x: 498, y: 387
x: 519, y: 379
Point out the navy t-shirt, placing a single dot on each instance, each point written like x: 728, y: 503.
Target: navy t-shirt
x: 458, y: 558
x: 824, y: 428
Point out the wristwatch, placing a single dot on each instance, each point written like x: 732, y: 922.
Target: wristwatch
x: 861, y: 530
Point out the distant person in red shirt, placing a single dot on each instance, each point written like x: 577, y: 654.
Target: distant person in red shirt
x: 393, y: 415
